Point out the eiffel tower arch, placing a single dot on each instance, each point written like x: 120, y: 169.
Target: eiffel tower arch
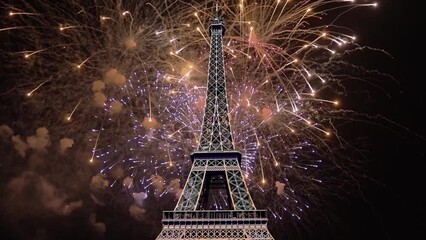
x: 216, y: 174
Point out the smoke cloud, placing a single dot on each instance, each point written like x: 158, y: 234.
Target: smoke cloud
x: 139, y: 198
x: 99, y: 182
x: 149, y: 123
x: 65, y: 143
x: 5, y: 131
x: 128, y: 182
x: 136, y: 212
x: 98, y: 86
x: 40, y: 141
x: 116, y: 107
x: 115, y: 77
x: 100, y: 98
x: 280, y: 188
x: 19, y: 145
x: 44, y: 192
x: 174, y: 187
x: 100, y: 227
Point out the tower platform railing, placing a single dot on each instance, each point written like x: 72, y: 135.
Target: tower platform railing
x: 215, y: 219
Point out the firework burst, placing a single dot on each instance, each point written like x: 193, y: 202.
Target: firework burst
x: 131, y: 76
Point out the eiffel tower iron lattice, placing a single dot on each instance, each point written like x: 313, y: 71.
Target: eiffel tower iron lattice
x: 215, y: 174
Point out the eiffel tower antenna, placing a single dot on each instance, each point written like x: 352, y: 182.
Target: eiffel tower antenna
x: 217, y: 9
x: 215, y: 202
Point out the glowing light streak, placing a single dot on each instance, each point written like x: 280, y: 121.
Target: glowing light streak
x: 21, y: 13
x: 273, y: 13
x: 75, y: 108
x: 150, y: 107
x: 36, y: 88
x: 67, y: 27
x: 95, y: 146
x: 12, y: 28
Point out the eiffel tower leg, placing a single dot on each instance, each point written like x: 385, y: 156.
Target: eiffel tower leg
x: 240, y: 194
x: 191, y: 191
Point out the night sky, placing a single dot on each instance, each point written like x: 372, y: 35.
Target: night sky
x: 394, y: 208
x: 391, y: 207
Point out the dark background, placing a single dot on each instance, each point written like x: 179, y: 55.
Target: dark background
x: 392, y: 206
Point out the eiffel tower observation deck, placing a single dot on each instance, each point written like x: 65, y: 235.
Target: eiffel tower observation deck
x: 215, y: 202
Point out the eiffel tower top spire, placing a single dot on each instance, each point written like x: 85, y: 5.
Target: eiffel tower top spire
x: 217, y: 10
x: 216, y: 130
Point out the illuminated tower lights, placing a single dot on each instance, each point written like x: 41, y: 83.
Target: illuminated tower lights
x: 215, y: 202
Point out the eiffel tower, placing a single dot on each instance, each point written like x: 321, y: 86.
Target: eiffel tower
x: 215, y: 202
